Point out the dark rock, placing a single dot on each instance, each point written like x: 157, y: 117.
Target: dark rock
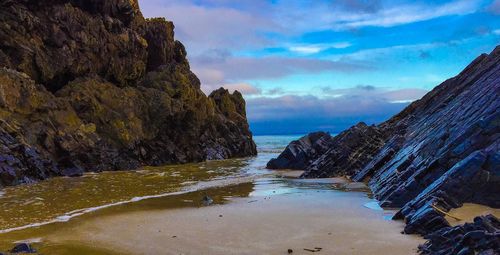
x: 301, y: 153
x: 448, y: 151
x: 72, y: 172
x: 290, y: 251
x: 206, y: 200
x: 488, y: 252
x: 438, y: 153
x: 57, y: 42
x: 348, y: 152
x: 321, y: 155
x: 480, y: 237
x: 23, y: 248
x: 465, y: 251
x: 98, y: 87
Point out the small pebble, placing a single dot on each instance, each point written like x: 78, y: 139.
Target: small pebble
x: 290, y: 251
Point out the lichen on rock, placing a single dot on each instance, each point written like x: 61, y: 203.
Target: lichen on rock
x: 93, y: 86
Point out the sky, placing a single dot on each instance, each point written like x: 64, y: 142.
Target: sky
x: 304, y: 66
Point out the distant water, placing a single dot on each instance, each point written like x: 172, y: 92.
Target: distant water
x: 46, y: 208
x: 60, y: 199
x: 273, y: 144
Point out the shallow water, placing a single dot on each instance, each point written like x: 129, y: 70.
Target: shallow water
x: 62, y: 213
x: 58, y: 198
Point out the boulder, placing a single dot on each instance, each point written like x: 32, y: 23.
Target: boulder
x: 348, y: 152
x: 300, y: 153
x: 23, y: 248
x: 322, y: 155
x: 480, y: 237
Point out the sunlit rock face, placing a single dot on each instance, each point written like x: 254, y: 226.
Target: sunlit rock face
x: 439, y: 152
x: 92, y: 85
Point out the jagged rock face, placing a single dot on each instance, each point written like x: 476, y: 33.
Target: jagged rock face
x: 300, y: 153
x: 348, y: 152
x: 459, y: 117
x: 480, y: 237
x: 451, y: 148
x: 55, y: 42
x: 439, y: 152
x: 98, y: 87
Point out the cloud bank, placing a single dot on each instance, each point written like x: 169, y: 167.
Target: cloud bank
x: 297, y: 62
x: 335, y: 111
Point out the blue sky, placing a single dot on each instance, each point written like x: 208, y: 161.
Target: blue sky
x: 325, y: 65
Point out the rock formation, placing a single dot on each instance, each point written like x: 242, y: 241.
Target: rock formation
x: 348, y: 152
x: 441, y: 151
x: 481, y: 236
x: 92, y: 86
x: 299, y: 154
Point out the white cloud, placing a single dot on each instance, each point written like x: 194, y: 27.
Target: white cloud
x: 331, y: 112
x: 341, y: 45
x: 226, y: 27
x: 333, y: 104
x: 404, y: 14
x: 246, y: 24
x: 401, y: 101
x: 378, y: 93
x: 204, y: 27
x: 316, y: 48
x: 231, y: 69
x: 306, y: 49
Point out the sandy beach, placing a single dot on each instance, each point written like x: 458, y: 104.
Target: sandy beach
x: 273, y: 219
x: 266, y: 215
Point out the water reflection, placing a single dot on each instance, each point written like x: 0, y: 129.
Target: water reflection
x: 43, y: 201
x: 151, y: 188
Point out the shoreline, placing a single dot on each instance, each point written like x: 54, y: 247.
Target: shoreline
x: 266, y: 222
x: 198, y: 187
x: 275, y: 212
x: 296, y: 213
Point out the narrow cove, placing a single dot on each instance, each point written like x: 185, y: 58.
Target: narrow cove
x: 160, y: 211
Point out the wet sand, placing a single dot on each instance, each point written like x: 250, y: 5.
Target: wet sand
x: 468, y: 212
x: 289, y: 173
x: 274, y: 217
x: 158, y: 210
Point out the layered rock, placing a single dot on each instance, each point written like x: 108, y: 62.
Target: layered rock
x: 441, y: 151
x: 450, y: 149
x: 480, y: 237
x: 348, y: 152
x: 92, y: 86
x: 300, y: 153
x: 57, y: 41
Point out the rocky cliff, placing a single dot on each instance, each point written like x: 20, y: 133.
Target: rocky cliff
x: 440, y: 152
x: 92, y: 86
x: 301, y: 153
